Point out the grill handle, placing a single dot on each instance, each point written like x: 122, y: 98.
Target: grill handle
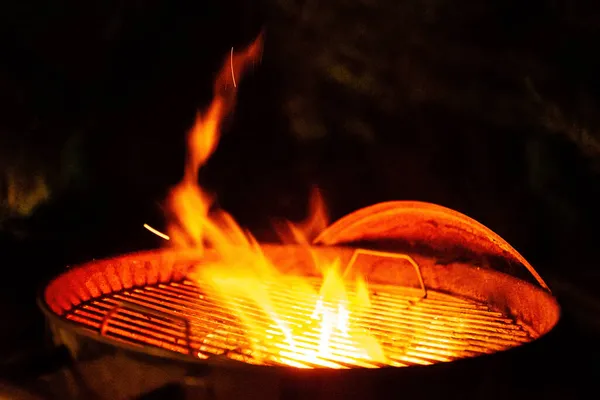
x: 385, y: 254
x: 125, y: 305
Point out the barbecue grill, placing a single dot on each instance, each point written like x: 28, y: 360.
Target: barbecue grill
x: 139, y: 323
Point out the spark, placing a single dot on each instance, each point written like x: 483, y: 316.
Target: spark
x: 231, y: 64
x: 156, y: 232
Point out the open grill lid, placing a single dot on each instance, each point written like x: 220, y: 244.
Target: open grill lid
x: 415, y: 223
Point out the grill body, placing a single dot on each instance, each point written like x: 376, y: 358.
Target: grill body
x: 116, y: 366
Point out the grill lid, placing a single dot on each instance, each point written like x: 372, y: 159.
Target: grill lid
x: 431, y: 225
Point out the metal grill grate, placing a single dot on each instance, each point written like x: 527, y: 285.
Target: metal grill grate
x: 184, y: 318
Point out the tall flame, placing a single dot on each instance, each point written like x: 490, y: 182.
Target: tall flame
x: 187, y: 201
x: 242, y: 273
x: 306, y: 231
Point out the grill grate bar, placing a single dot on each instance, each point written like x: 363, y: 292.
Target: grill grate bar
x: 411, y: 330
x: 432, y: 305
x: 415, y: 310
x: 410, y: 311
x: 379, y: 317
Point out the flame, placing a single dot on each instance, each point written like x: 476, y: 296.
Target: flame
x: 244, y: 275
x: 306, y: 231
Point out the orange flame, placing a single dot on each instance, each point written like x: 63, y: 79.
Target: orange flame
x: 306, y: 231
x: 187, y: 201
x: 242, y: 273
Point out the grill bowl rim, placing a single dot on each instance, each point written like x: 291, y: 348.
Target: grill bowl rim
x: 145, y: 350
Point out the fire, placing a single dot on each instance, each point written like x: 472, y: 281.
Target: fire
x: 307, y: 230
x: 243, y: 275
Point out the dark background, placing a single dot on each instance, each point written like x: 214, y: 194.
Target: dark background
x: 488, y: 107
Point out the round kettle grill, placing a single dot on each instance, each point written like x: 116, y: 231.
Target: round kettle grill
x: 138, y: 323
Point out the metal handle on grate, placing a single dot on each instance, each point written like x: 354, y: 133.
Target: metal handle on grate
x: 124, y: 305
x: 378, y: 222
x: 385, y: 254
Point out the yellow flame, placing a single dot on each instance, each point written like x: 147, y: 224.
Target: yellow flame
x: 242, y: 274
